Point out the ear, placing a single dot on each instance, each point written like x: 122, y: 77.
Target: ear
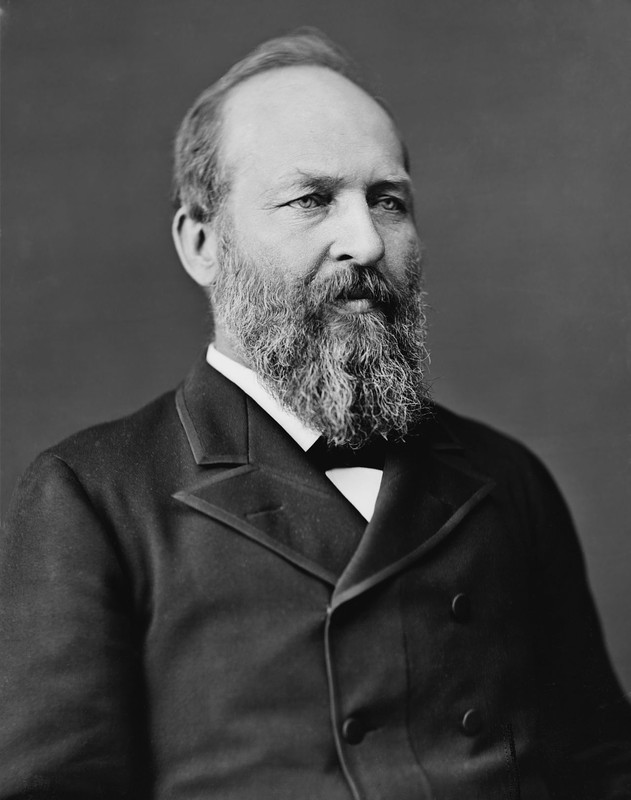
x: 196, y: 245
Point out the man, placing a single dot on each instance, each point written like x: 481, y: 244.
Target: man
x: 296, y: 577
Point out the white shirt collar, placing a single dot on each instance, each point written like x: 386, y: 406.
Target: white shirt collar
x: 247, y: 380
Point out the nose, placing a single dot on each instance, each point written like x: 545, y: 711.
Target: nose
x: 356, y: 237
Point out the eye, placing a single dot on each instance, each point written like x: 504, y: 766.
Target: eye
x: 390, y: 203
x: 308, y: 202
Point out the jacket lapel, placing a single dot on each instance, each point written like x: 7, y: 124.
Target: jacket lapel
x: 426, y: 490
x: 256, y: 479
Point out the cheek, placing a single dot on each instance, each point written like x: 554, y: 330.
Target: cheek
x: 281, y: 242
x: 403, y: 263
x: 297, y: 257
x: 402, y: 249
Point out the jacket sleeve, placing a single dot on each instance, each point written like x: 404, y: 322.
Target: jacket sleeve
x: 67, y: 656
x: 585, y: 717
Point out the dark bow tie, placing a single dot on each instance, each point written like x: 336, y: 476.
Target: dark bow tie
x: 329, y: 457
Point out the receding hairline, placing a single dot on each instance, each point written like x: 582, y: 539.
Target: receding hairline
x: 233, y: 92
x: 200, y: 178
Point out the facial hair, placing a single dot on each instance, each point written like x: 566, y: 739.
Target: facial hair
x: 350, y: 376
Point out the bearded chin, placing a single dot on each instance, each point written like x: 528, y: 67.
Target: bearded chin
x: 351, y: 377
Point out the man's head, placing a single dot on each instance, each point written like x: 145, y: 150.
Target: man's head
x: 300, y: 226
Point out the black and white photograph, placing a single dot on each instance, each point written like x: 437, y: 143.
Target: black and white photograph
x: 316, y: 400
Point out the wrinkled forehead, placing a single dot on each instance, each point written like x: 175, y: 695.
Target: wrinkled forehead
x: 306, y: 117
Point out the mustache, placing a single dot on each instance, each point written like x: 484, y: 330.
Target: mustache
x: 353, y: 283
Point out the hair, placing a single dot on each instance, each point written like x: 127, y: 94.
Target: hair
x: 199, y: 180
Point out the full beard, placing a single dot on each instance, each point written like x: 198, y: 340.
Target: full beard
x: 350, y: 376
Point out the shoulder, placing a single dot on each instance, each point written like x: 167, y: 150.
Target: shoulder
x: 123, y: 441
x: 114, y: 460
x: 513, y: 466
x: 120, y: 435
x: 483, y: 444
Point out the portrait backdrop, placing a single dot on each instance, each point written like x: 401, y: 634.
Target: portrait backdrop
x: 518, y: 117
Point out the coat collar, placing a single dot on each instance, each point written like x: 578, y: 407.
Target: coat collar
x: 254, y: 478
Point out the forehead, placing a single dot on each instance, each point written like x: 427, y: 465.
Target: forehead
x: 306, y: 119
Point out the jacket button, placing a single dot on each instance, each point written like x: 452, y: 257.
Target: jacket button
x: 353, y: 731
x: 461, y: 608
x: 471, y: 722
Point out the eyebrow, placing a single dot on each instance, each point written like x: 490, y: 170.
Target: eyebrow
x: 310, y: 181
x: 319, y: 182
x: 399, y: 184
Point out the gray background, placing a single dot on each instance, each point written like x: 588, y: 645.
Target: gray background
x: 518, y: 115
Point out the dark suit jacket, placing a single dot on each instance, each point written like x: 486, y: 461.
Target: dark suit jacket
x: 191, y: 610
